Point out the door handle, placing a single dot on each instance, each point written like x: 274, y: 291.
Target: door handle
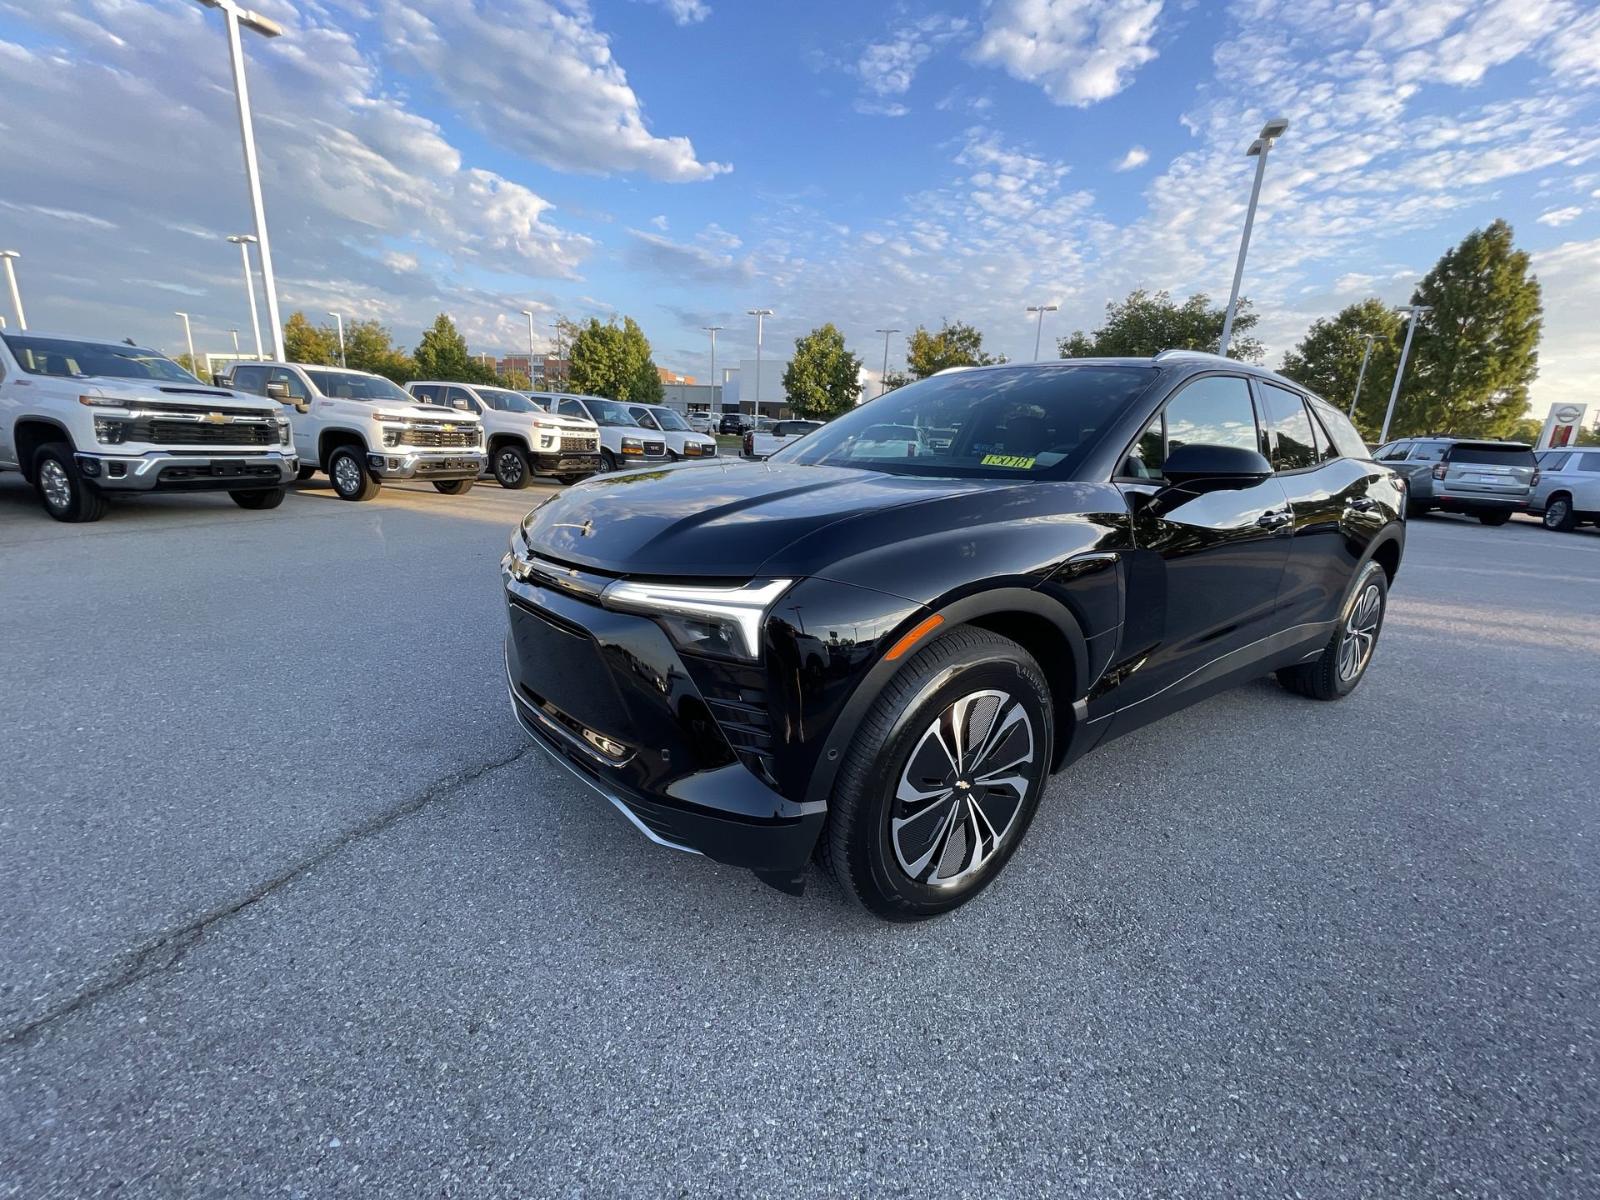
x: 1275, y: 518
x: 1361, y: 503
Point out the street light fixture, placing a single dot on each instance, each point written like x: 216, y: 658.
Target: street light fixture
x: 11, y: 277
x: 235, y: 333
x: 188, y: 334
x: 1038, y: 334
x: 1369, y: 338
x: 235, y: 17
x: 244, y: 241
x: 1412, y: 312
x: 339, y: 317
x: 1270, y: 132
x: 713, y: 330
x: 528, y: 312
x: 883, y: 377
x: 760, y: 314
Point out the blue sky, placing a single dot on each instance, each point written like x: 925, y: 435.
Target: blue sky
x: 685, y: 160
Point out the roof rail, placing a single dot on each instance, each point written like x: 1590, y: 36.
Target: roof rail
x: 1169, y: 355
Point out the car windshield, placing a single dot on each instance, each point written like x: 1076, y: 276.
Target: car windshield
x: 508, y: 401
x: 668, y: 419
x: 1483, y: 455
x: 610, y: 412
x: 69, y: 358
x: 352, y: 385
x: 1001, y: 422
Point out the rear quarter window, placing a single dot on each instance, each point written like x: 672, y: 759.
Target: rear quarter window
x: 1347, y: 442
x: 1486, y: 455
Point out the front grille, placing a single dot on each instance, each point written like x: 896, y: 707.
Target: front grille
x: 655, y: 449
x: 207, y: 473
x: 739, y: 705
x: 570, y: 445
x: 159, y: 432
x: 438, y: 439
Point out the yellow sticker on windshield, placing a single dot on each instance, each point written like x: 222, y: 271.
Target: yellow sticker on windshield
x: 1006, y: 460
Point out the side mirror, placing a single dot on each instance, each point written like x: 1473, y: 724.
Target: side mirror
x: 1203, y: 463
x: 279, y: 391
x: 302, y: 406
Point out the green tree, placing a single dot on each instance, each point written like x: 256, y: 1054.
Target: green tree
x: 1475, y: 355
x: 823, y: 379
x: 613, y: 360
x: 304, y: 342
x: 1149, y: 322
x: 1328, y: 359
x: 442, y: 353
x: 955, y: 345
x: 194, y: 366
x: 369, y: 346
x: 644, y: 380
x: 895, y: 379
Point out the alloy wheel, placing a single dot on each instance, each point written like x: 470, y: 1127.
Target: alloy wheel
x: 347, y: 474
x: 1360, y: 633
x: 56, y: 486
x: 1555, y: 514
x: 962, y: 788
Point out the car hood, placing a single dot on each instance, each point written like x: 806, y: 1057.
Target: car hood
x: 196, y: 395
x: 719, y: 519
x: 566, y: 422
x: 426, y: 412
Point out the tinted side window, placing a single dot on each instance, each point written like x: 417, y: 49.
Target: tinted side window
x: 1347, y: 442
x: 570, y: 408
x: 1552, y: 462
x: 1430, y: 451
x: 426, y: 392
x: 1590, y: 462
x: 1213, y: 411
x: 1293, y: 444
x: 250, y: 379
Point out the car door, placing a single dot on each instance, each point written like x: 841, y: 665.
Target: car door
x: 305, y: 433
x: 1203, y: 580
x: 1335, y: 518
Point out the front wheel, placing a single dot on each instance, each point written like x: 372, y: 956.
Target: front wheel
x: 348, y: 472
x: 259, y: 497
x: 1494, y: 518
x: 569, y: 480
x: 608, y: 461
x: 453, y: 487
x: 1558, y: 515
x: 1343, y: 662
x: 942, y: 779
x: 511, y: 468
x: 64, y: 492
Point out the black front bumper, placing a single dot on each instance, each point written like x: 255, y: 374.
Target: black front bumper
x: 557, y: 463
x: 607, y: 695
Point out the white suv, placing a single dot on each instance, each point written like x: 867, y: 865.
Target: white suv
x: 623, y: 441
x: 524, y: 439
x: 82, y: 418
x: 362, y: 429
x: 1568, y: 489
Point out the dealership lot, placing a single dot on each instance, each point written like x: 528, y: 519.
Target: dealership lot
x: 287, y: 906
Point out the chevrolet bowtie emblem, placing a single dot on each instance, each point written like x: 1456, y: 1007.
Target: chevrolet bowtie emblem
x: 216, y: 418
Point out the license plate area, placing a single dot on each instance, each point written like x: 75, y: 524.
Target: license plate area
x: 564, y: 667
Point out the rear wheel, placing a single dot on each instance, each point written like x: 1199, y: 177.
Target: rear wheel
x: 64, y: 492
x: 259, y: 497
x: 453, y: 487
x: 942, y: 779
x: 511, y: 468
x: 1558, y: 514
x: 1343, y: 662
x: 349, y: 475
x: 1494, y: 518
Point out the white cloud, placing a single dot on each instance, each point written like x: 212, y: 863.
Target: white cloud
x: 684, y: 12
x: 1079, y: 51
x: 1136, y: 157
x: 709, y: 258
x: 1560, y: 216
x: 1569, y: 351
x: 540, y: 80
x: 887, y: 67
x: 882, y: 108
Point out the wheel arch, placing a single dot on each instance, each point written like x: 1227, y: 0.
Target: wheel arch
x: 498, y: 441
x: 331, y: 439
x: 29, y: 433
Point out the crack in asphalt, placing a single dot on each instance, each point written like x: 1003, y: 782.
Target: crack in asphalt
x: 165, y: 951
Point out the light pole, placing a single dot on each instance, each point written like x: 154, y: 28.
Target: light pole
x: 188, y: 334
x: 16, y: 297
x: 528, y: 312
x: 235, y: 333
x: 1270, y: 132
x: 1412, y: 311
x: 244, y: 241
x: 760, y: 314
x: 236, y: 16
x: 1369, y: 338
x: 339, y: 317
x: 712, y: 330
x: 883, y: 378
x: 1038, y: 334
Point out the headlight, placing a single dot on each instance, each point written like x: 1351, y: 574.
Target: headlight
x: 546, y: 440
x: 632, y: 446
x: 110, y: 430
x: 105, y: 402
x: 391, y: 437
x: 389, y: 418
x: 692, y: 449
x: 723, y: 621
x: 283, y: 432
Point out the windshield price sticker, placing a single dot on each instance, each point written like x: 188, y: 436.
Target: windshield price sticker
x: 1015, y: 461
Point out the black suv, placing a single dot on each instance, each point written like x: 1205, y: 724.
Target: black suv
x: 876, y: 650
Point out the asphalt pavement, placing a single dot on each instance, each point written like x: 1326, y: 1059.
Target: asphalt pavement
x: 289, y: 908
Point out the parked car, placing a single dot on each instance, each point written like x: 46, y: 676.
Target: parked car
x: 363, y: 429
x: 1568, y: 491
x: 524, y: 439
x: 702, y: 422
x: 881, y: 657
x: 623, y: 441
x: 83, y: 419
x: 683, y: 443
x: 764, y: 443
x: 1487, y: 480
x: 735, y: 422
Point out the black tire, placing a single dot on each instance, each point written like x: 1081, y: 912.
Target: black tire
x: 64, y: 492
x: 305, y: 473
x: 260, y: 497
x: 1415, y: 509
x: 608, y: 461
x: 351, y: 484
x: 1558, y: 513
x: 1494, y: 518
x: 453, y: 487
x: 1323, y: 678
x: 569, y: 480
x: 861, y: 848
x: 511, y: 469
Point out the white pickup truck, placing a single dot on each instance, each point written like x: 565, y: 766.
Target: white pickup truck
x: 362, y: 429
x: 82, y: 419
x: 762, y: 443
x: 524, y: 439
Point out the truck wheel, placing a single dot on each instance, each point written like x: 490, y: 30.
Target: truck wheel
x: 260, y: 497
x: 65, y: 494
x: 349, y: 474
x: 608, y: 461
x: 1558, y: 514
x: 453, y: 487
x: 305, y: 473
x: 1494, y: 518
x: 511, y: 468
x: 569, y: 480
